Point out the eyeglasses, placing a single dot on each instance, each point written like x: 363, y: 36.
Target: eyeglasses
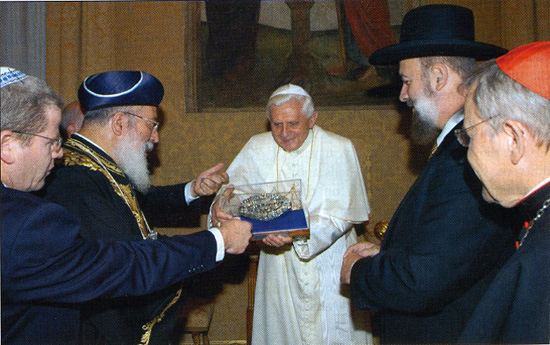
x: 55, y: 142
x: 462, y: 133
x: 155, y: 123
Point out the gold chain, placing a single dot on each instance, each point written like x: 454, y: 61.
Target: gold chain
x: 537, y: 217
x: 308, y: 167
x: 148, y: 327
x: 146, y: 231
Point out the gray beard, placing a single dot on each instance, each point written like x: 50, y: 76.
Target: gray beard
x: 423, y: 126
x: 133, y: 162
x: 423, y: 132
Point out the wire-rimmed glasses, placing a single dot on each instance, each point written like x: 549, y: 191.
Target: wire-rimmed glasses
x: 55, y: 142
x: 462, y: 133
x: 153, y: 122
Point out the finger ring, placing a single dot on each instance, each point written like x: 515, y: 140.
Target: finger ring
x: 218, y: 224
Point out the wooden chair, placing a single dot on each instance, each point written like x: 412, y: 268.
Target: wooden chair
x: 252, y: 273
x: 197, y: 314
x: 253, y: 252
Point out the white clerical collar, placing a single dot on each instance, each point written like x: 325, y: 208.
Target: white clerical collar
x: 537, y: 187
x: 91, y: 142
x: 453, y: 121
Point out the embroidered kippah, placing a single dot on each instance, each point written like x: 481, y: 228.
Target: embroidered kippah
x: 117, y: 88
x: 10, y: 75
x: 529, y: 65
x: 290, y: 89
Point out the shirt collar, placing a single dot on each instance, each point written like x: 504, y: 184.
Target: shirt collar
x: 91, y: 142
x: 537, y: 187
x: 453, y: 121
x: 532, y: 202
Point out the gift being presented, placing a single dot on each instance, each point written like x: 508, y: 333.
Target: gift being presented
x: 272, y: 207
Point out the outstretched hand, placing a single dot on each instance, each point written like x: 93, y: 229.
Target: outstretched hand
x: 209, y: 181
x: 236, y: 235
x: 218, y: 216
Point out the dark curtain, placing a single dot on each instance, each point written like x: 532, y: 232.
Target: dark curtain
x: 232, y: 32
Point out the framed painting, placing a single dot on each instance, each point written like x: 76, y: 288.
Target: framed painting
x: 249, y: 48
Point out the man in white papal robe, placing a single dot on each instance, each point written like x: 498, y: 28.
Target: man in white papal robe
x: 299, y: 298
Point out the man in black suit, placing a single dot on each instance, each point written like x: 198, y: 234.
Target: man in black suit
x: 48, y: 268
x: 444, y: 243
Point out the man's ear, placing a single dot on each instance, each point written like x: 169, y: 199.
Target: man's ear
x: 71, y: 128
x: 312, y: 120
x: 119, y: 123
x: 439, y: 76
x: 8, y: 146
x: 517, y: 137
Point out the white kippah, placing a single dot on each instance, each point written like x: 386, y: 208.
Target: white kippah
x: 290, y: 89
x: 10, y: 75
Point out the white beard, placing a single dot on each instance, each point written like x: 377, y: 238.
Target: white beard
x: 424, y: 129
x: 133, y: 162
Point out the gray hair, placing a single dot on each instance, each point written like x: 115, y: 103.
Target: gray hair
x: 102, y: 115
x: 499, y: 96
x: 23, y: 106
x: 464, y: 66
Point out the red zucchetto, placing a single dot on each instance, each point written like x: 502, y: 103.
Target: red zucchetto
x: 529, y: 65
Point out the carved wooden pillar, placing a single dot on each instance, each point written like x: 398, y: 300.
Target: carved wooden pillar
x: 192, y: 68
x: 300, y: 63
x: 252, y: 274
x: 300, y: 58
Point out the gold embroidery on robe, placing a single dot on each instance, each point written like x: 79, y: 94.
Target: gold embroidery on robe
x: 76, y: 153
x: 148, y: 327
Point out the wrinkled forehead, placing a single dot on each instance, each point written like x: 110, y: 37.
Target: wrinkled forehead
x: 288, y: 117
x: 410, y: 66
x: 148, y: 111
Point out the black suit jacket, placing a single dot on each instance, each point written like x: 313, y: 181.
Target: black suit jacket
x: 48, y: 269
x: 442, y: 247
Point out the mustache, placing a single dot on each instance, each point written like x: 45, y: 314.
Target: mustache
x: 148, y: 146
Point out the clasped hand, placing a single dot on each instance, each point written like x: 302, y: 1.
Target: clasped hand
x: 219, y: 218
x: 236, y: 232
x: 355, y: 253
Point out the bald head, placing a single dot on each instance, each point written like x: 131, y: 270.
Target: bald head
x: 71, y: 119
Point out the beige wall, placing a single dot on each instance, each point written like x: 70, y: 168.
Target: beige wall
x: 507, y: 23
x: 89, y: 37
x: 195, y: 141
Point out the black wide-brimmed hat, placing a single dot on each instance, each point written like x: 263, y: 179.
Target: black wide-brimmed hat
x: 119, y: 88
x: 436, y: 30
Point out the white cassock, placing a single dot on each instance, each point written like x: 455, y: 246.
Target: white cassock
x: 299, y: 297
